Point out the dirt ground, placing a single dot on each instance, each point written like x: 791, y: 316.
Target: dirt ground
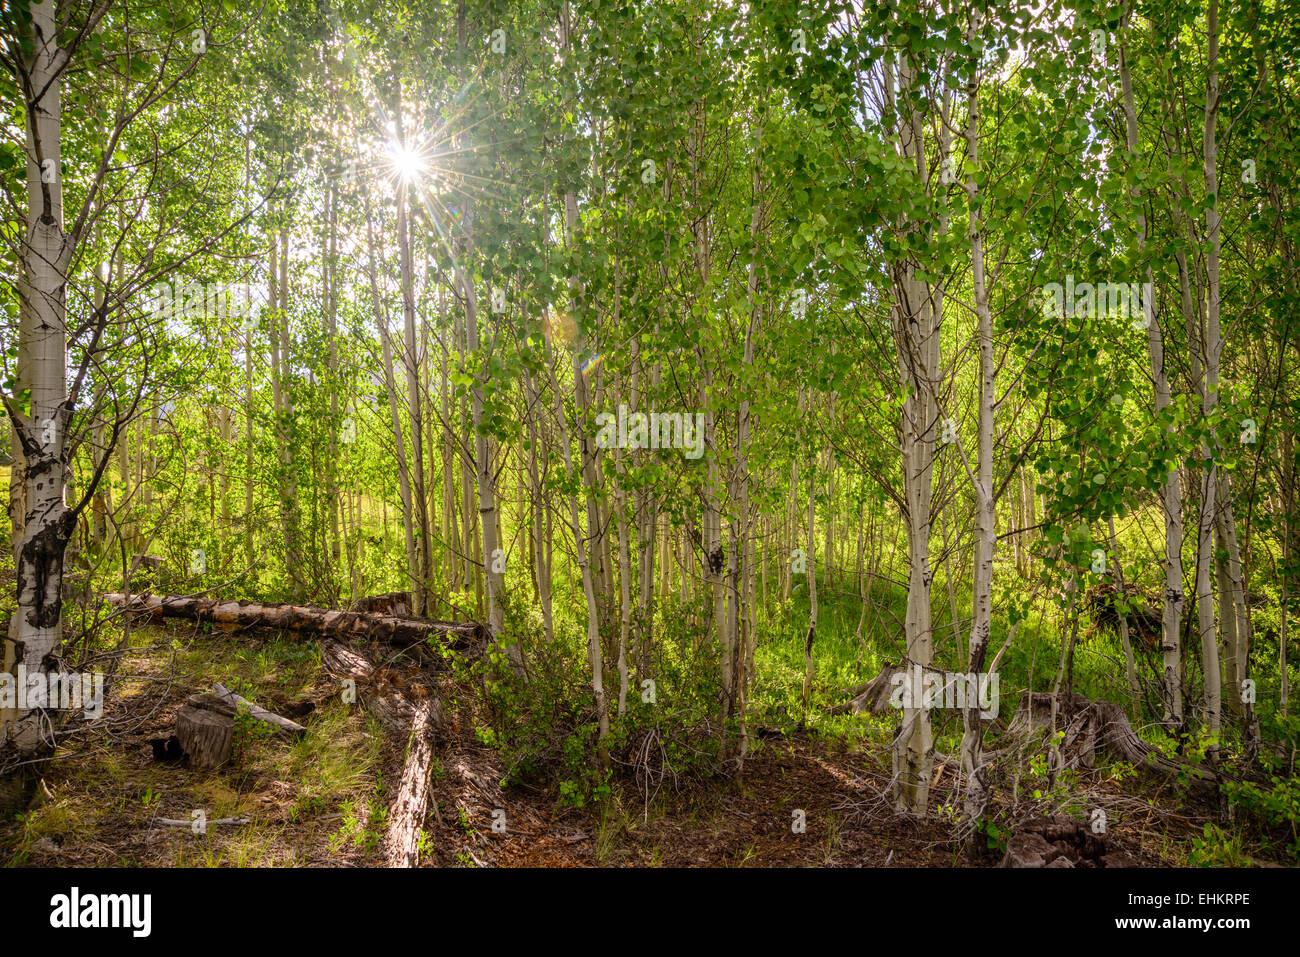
x: 320, y: 802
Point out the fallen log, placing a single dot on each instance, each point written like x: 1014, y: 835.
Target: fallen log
x: 390, y: 603
x: 403, y: 702
x: 407, y: 812
x: 291, y: 728
x: 388, y: 692
x: 872, y: 696
x: 466, y: 637
x: 877, y: 694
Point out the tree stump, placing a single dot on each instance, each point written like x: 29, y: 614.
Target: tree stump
x: 1096, y: 725
x: 205, y: 728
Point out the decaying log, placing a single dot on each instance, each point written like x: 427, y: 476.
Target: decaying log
x: 390, y: 692
x: 402, y: 700
x: 205, y: 727
x: 390, y: 603
x: 409, y: 807
x: 467, y: 637
x: 284, y: 725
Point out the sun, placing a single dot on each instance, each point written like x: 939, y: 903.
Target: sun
x: 407, y: 163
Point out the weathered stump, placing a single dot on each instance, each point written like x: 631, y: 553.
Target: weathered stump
x: 1090, y: 726
x: 205, y: 728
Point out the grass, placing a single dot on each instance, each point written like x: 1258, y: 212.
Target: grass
x: 843, y: 660
x: 112, y: 794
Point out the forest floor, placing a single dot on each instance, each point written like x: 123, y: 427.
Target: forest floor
x: 320, y: 801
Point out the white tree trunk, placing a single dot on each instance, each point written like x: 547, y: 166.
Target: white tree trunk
x: 42, y: 522
x: 1171, y: 683
x: 916, y: 315
x: 985, y: 499
x: 483, y: 470
x: 411, y: 363
x: 1213, y: 350
x: 812, y: 587
x: 390, y: 387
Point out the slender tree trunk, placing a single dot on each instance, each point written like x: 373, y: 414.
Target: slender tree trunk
x: 743, y: 637
x: 390, y: 388
x: 1171, y: 497
x: 594, y: 657
x: 493, y: 572
x: 450, y: 526
x: 332, y: 330
x: 812, y: 588
x: 540, y: 522
x: 1130, y: 668
x: 42, y: 522
x: 470, y: 566
x: 620, y: 516
x: 1237, y: 623
x: 985, y: 499
x: 625, y: 588
x: 282, y: 392
x: 249, y: 525
x: 583, y: 542
x: 101, y: 506
x: 411, y: 362
x: 916, y: 317
x: 483, y: 467
x: 1214, y: 348
x: 1288, y: 504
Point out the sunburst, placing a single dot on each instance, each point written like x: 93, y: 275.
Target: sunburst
x: 408, y: 164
